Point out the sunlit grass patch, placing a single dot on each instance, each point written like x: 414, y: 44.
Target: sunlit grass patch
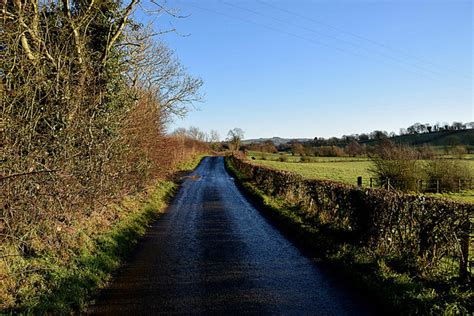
x: 346, y: 170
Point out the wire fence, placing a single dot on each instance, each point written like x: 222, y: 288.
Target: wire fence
x: 423, y: 185
x: 438, y: 186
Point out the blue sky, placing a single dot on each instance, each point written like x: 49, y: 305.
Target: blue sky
x: 325, y: 68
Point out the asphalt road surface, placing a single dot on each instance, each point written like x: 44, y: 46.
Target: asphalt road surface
x: 214, y: 253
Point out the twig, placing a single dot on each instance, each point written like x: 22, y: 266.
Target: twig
x: 27, y: 173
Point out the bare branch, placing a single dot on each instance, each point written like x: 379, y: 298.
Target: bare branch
x: 26, y: 174
x: 118, y: 31
x: 24, y: 41
x: 168, y: 11
x: 75, y: 31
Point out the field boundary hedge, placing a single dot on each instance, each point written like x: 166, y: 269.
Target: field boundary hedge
x: 431, y: 234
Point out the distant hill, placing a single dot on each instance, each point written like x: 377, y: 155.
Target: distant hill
x: 276, y: 140
x: 441, y: 138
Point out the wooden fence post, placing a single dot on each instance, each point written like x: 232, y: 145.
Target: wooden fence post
x: 359, y: 181
x: 464, y: 260
x: 437, y: 185
x: 371, y: 182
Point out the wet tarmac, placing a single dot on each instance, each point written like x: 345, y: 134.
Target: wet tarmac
x: 214, y: 253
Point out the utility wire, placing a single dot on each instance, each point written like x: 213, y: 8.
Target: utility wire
x: 373, y: 42
x: 312, y: 41
x: 337, y: 39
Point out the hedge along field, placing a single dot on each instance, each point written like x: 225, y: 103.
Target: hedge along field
x: 344, y: 169
x: 346, y: 172
x: 291, y: 158
x: 412, y: 238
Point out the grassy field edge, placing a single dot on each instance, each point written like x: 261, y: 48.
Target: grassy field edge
x: 393, y: 293
x: 73, y: 286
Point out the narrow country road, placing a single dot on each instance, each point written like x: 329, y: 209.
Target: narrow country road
x: 213, y: 252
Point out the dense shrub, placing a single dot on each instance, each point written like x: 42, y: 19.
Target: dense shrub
x: 354, y: 149
x: 396, y: 166
x: 267, y: 146
x: 459, y: 151
x: 446, y: 175
x: 297, y: 149
x: 329, y: 151
x: 56, y: 215
x: 305, y: 159
x: 426, y: 152
x: 85, y: 94
x: 282, y: 158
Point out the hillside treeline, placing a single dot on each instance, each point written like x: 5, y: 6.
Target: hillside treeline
x: 86, y: 93
x: 353, y: 149
x: 458, y: 140
x: 412, y: 130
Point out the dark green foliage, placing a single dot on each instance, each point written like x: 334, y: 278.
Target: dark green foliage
x: 441, y: 138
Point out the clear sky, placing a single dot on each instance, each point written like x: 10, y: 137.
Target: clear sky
x: 325, y: 67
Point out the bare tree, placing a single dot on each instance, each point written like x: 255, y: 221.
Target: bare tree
x: 214, y: 136
x: 234, y: 137
x: 152, y: 66
x: 297, y: 149
x: 354, y: 148
x: 196, y: 134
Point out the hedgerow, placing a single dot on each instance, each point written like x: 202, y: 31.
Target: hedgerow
x: 407, y: 251
x: 426, y: 231
x: 86, y: 95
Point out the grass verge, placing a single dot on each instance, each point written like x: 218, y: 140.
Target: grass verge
x: 51, y: 284
x: 396, y: 291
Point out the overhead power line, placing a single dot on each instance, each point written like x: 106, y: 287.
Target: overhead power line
x: 398, y: 60
x: 364, y: 38
x: 314, y: 42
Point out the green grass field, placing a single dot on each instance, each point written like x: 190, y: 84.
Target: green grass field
x: 341, y: 169
x: 338, y: 171
x: 290, y: 158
